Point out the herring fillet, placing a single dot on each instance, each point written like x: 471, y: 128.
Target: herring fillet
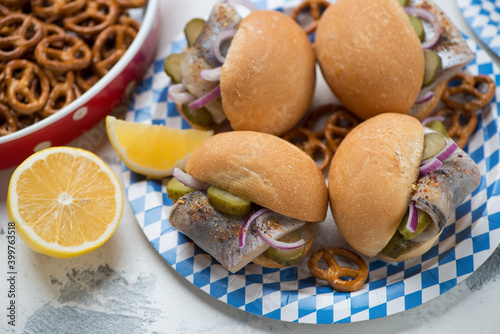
x: 200, y: 55
x: 440, y: 192
x: 217, y: 233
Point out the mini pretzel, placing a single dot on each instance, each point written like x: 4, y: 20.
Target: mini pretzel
x: 119, y: 37
x: 61, y: 95
x: 24, y: 121
x: 457, y: 129
x: 307, y: 142
x: 28, y: 86
x: 335, y: 275
x: 315, y: 8
x: 128, y: 21
x: 86, y: 78
x: 50, y: 29
x: 13, y: 3
x: 8, y: 125
x: 61, y: 53
x: 19, y: 33
x: 131, y: 3
x: 50, y: 8
x: 469, y: 86
x: 96, y: 16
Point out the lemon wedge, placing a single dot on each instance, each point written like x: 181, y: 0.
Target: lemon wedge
x: 153, y: 150
x: 64, y: 201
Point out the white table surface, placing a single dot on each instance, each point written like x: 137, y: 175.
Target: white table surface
x: 127, y: 287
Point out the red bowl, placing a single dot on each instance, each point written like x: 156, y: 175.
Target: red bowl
x: 86, y: 111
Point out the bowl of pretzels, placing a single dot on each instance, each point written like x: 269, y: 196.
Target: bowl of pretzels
x: 65, y: 65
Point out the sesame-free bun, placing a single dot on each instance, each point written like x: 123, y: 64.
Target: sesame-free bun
x: 370, y: 179
x: 370, y: 56
x: 268, y: 78
x: 265, y: 170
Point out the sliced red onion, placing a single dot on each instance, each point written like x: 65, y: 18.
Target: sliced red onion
x: 188, y: 180
x: 411, y: 224
x: 177, y: 93
x: 211, y: 74
x: 221, y: 37
x: 280, y: 244
x: 447, y: 151
x: 421, y: 98
x: 432, y: 119
x: 426, y: 15
x: 205, y: 99
x: 246, y: 227
x: 429, y: 166
x: 244, y: 3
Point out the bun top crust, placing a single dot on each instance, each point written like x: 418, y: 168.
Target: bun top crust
x: 370, y: 179
x: 268, y: 79
x: 264, y: 169
x: 370, y: 56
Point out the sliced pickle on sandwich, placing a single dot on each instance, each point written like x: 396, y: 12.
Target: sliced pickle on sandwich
x: 396, y: 246
x: 433, y: 144
x: 201, y: 117
x: 192, y: 30
x: 417, y: 25
x: 438, y: 126
x: 226, y: 202
x: 175, y: 189
x: 404, y: 2
x: 423, y: 221
x: 287, y: 257
x: 433, y: 66
x: 172, y: 66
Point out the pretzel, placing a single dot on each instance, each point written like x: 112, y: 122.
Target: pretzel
x: 128, y: 21
x: 120, y: 37
x: 61, y: 95
x: 8, y: 123
x: 86, y: 78
x: 28, y: 86
x: 50, y: 29
x: 61, y: 53
x: 94, y: 17
x: 14, y: 4
x: 315, y: 8
x: 307, y: 142
x: 19, y: 34
x: 470, y: 87
x: 335, y: 275
x: 50, y: 8
x: 131, y: 3
x: 462, y: 124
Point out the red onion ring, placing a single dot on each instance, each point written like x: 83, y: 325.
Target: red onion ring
x: 424, y: 97
x: 447, y: 151
x: 211, y: 74
x: 280, y: 244
x: 246, y: 226
x: 429, y: 166
x: 221, y: 37
x: 426, y: 15
x: 188, y: 180
x: 177, y: 93
x: 432, y: 119
x: 205, y: 99
x: 411, y: 224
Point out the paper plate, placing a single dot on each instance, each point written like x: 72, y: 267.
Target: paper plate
x: 483, y: 17
x: 292, y: 294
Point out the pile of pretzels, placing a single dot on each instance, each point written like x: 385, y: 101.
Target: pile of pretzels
x: 52, y: 51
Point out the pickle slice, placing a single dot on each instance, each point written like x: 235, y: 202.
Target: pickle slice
x: 201, y: 117
x: 416, y: 23
x: 172, y: 65
x: 226, y: 202
x: 433, y: 66
x: 289, y: 257
x: 439, y: 127
x: 396, y: 246
x: 423, y: 221
x: 404, y: 2
x: 433, y: 144
x: 176, y: 189
x: 192, y: 30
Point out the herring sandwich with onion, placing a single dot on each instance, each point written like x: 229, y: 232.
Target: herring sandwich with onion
x: 388, y: 55
x: 249, y: 197
x: 393, y: 185
x: 256, y: 73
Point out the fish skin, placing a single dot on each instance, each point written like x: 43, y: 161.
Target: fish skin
x: 440, y: 192
x: 217, y: 233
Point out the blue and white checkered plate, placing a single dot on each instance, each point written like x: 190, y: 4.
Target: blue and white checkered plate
x: 292, y: 294
x: 483, y: 17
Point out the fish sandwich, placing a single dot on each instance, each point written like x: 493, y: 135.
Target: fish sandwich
x: 250, y: 197
x: 393, y: 185
x: 256, y: 73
